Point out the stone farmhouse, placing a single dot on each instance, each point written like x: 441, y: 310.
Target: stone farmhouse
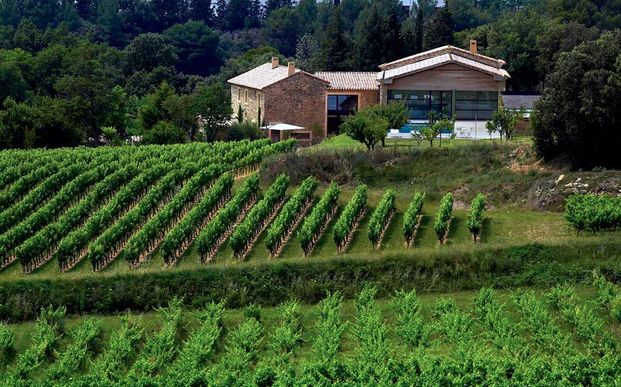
x: 460, y: 83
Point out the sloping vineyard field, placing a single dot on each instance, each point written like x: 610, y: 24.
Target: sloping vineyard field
x: 95, y: 205
x: 561, y: 336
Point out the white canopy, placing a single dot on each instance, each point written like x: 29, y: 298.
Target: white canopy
x: 282, y: 127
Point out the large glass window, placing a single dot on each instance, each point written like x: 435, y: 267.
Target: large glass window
x: 421, y: 102
x: 339, y: 107
x: 475, y: 105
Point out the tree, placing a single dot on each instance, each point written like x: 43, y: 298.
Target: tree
x: 558, y: 38
x: 365, y: 126
x: 503, y: 121
x: 273, y: 5
x: 281, y: 30
x: 202, y: 10
x: 308, y: 53
x: 579, y: 114
x: 335, y: 45
x: 378, y: 35
x: 395, y: 113
x: 196, y: 46
x: 164, y: 132
x: 412, y: 33
x: 13, y: 83
x: 435, y: 129
x: 149, y: 51
x: 213, y: 105
x: 111, y: 25
x: 439, y: 29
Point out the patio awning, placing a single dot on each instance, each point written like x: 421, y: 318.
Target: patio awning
x: 282, y: 127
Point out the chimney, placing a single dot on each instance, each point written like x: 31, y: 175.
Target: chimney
x: 473, y: 46
x: 291, y: 68
x: 274, y: 62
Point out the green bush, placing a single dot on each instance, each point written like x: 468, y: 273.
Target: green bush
x: 615, y: 308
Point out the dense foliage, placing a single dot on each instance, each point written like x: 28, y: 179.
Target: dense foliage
x: 257, y: 218
x: 593, y: 212
x: 291, y: 211
x: 443, y: 217
x: 101, y: 72
x: 519, y: 339
x: 317, y: 220
x: 412, y: 216
x: 351, y: 214
x: 476, y: 216
x: 110, y: 201
x: 579, y: 114
x: 381, y: 216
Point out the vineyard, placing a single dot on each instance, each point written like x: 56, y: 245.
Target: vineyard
x: 100, y: 205
x: 564, y: 336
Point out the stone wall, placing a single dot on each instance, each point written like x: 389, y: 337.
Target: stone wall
x: 297, y: 100
x: 250, y: 100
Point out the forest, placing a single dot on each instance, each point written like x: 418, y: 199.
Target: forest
x: 88, y: 72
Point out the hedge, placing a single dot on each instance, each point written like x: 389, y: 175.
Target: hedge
x: 270, y: 283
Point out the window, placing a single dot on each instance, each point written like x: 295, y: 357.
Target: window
x: 339, y: 107
x: 421, y: 102
x: 239, y: 94
x: 475, y: 105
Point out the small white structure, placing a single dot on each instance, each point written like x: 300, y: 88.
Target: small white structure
x: 282, y: 131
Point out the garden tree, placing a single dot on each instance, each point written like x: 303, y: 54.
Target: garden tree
x: 308, y: 53
x: 110, y: 24
x: 213, y: 105
x: 196, y: 46
x: 503, y: 121
x: 439, y: 31
x: 202, y: 10
x: 435, y: 129
x: 147, y: 52
x: 243, y: 130
x: 281, y: 30
x: 366, y: 126
x: 164, y: 132
x: 377, y: 38
x: 558, y: 38
x: 335, y: 44
x: 395, y: 113
x: 579, y: 113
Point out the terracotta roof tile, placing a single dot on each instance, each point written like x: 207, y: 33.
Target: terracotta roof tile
x: 349, y: 80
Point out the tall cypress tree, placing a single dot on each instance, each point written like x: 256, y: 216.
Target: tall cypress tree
x: 335, y: 45
x: 418, y: 31
x: 377, y: 34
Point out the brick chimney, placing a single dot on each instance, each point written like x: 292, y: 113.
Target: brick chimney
x: 473, y: 46
x: 291, y: 68
x: 274, y: 62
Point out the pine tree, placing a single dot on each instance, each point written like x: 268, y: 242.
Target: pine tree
x: 111, y: 24
x: 377, y: 34
x: 201, y: 10
x: 439, y: 29
x: 335, y: 45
